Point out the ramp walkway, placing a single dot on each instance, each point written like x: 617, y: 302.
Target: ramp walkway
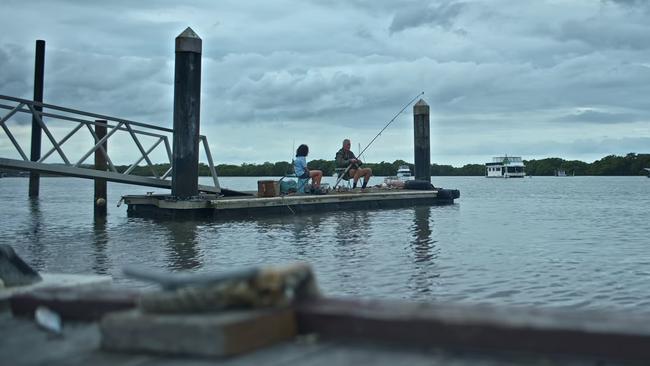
x: 69, y: 160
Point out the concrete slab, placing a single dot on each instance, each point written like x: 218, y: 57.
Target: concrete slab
x: 210, y: 334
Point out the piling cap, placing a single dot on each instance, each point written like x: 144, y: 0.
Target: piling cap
x: 188, y: 41
x: 421, y: 107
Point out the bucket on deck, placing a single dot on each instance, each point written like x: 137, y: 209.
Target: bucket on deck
x: 268, y: 188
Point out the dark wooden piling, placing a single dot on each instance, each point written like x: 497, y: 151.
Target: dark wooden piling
x: 100, y: 164
x: 187, y: 105
x: 39, y: 72
x: 422, y: 146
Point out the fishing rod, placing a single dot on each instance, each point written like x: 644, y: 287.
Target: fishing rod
x: 293, y: 149
x: 375, y: 138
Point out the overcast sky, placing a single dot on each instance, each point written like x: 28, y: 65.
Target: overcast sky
x: 554, y: 78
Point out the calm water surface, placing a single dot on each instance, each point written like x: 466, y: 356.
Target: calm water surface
x: 575, y: 242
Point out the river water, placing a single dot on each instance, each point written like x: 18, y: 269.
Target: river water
x: 569, y: 242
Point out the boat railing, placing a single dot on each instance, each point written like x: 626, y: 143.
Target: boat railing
x: 510, y: 159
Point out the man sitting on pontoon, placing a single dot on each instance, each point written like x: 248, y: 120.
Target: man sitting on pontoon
x: 346, y: 158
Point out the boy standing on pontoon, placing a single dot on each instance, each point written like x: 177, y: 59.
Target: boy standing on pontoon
x: 345, y: 158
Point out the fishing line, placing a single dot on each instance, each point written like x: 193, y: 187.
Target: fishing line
x: 376, y: 136
x: 389, y: 122
x: 293, y: 149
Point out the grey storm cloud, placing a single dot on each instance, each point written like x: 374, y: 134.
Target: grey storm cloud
x: 542, y: 77
x: 597, y: 32
x: 630, y: 3
x: 587, y: 149
x: 304, y: 88
x: 423, y: 13
x: 592, y: 116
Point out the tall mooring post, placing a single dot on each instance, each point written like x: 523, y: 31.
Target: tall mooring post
x: 39, y: 72
x: 187, y: 107
x: 100, y: 164
x: 422, y: 145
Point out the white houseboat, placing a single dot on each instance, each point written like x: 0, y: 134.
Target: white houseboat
x: 505, y: 167
x: 404, y: 173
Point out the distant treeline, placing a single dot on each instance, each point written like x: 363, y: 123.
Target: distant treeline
x: 630, y: 164
x: 281, y: 168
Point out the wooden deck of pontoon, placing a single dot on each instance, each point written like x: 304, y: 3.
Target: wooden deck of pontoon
x: 251, y: 206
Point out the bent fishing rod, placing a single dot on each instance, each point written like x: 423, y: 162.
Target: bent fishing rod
x: 375, y: 138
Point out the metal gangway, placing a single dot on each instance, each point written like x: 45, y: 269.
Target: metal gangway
x: 73, y: 163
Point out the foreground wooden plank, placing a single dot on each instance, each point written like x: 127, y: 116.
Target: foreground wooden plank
x: 26, y: 344
x: 393, y: 325
x: 65, y: 282
x: 57, y: 280
x: 84, y: 304
x: 471, y: 327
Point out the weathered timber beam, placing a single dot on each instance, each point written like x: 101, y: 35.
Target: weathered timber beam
x: 75, y: 304
x: 582, y: 333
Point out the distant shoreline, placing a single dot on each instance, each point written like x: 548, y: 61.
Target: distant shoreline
x: 631, y: 164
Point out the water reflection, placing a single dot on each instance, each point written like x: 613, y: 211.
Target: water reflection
x: 100, y: 244
x: 183, y: 245
x: 34, y: 243
x: 424, y: 248
x: 301, y: 231
x: 305, y: 231
x: 301, y: 226
x: 352, y: 236
x: 352, y: 227
x: 423, y: 243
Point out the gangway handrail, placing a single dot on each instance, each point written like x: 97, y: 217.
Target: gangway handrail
x: 39, y: 111
x: 89, y: 114
x: 72, y: 119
